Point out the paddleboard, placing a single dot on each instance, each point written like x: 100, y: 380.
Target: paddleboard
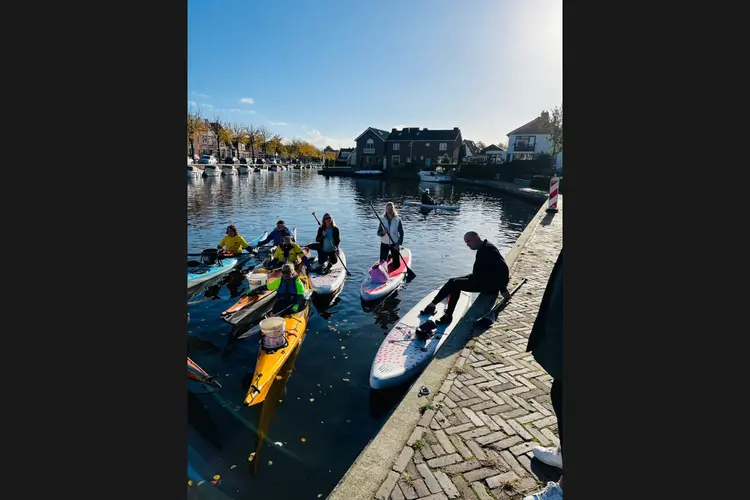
x: 402, y: 355
x: 441, y: 207
x: 374, y: 291
x: 326, y: 284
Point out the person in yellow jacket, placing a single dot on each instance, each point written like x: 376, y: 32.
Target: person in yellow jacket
x: 233, y: 243
x: 288, y: 252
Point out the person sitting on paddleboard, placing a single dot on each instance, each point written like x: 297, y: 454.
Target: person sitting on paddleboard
x: 290, y: 292
x: 391, y: 236
x: 288, y: 252
x: 427, y: 199
x: 490, y: 274
x: 277, y: 234
x: 327, y: 243
x: 232, y: 243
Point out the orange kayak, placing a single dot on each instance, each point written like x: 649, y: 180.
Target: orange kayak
x: 270, y: 361
x: 248, y: 304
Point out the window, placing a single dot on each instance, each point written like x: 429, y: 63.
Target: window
x: 369, y: 148
x: 525, y: 143
x: 396, y: 160
x: 396, y: 146
x: 428, y: 144
x: 443, y: 146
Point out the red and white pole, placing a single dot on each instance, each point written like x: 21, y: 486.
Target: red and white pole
x: 554, y: 189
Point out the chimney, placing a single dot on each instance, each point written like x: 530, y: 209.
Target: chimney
x: 393, y: 130
x: 425, y: 129
x: 455, y: 128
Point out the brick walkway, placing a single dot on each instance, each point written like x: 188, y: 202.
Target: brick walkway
x: 475, y: 437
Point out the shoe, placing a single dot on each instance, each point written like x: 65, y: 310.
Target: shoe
x: 549, y: 456
x: 552, y: 491
x: 430, y: 309
x: 447, y: 319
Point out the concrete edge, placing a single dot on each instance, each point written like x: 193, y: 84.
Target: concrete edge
x: 371, y: 468
x: 517, y: 191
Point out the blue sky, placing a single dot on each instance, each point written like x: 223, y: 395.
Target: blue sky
x: 324, y: 71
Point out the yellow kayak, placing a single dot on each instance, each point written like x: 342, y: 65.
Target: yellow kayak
x: 270, y: 361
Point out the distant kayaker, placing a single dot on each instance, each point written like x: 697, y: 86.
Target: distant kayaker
x: 290, y: 291
x: 327, y: 243
x: 232, y: 243
x: 427, y: 199
x: 490, y: 274
x: 391, y: 234
x: 288, y: 252
x: 277, y: 234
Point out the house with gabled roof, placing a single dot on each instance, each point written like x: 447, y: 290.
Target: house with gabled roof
x: 343, y: 157
x: 529, y: 141
x: 494, y: 154
x: 471, y: 150
x: 371, y: 148
x: 422, y: 148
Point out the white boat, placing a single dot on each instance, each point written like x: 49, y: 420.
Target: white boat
x: 403, y: 355
x: 374, y: 291
x: 326, y: 284
x: 193, y: 171
x: 368, y: 172
x: 433, y: 176
x: 228, y: 170
x: 211, y: 170
x: 244, y: 169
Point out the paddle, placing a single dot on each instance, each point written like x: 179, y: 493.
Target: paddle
x: 488, y: 319
x: 410, y: 275
x: 252, y: 331
x: 337, y: 250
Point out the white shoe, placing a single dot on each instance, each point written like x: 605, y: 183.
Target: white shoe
x: 552, y: 491
x: 550, y: 456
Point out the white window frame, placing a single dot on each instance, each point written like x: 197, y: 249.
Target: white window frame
x: 443, y: 146
x: 396, y: 146
x: 369, y: 148
x: 396, y: 160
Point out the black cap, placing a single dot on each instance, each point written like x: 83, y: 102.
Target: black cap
x: 279, y: 222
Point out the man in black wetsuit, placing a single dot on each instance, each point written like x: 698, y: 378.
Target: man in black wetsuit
x: 490, y: 274
x: 426, y: 198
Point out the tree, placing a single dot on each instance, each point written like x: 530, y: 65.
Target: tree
x: 251, y: 137
x: 502, y: 146
x: 196, y: 126
x: 223, y: 136
x: 554, y: 121
x: 480, y: 145
x: 275, y: 145
x: 261, y: 138
x: 293, y: 147
x: 237, y: 132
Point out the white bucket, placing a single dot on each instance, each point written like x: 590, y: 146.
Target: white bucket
x: 257, y: 279
x: 273, y: 332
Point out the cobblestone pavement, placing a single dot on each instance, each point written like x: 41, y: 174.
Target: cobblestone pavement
x: 475, y: 437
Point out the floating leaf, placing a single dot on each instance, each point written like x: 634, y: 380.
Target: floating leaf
x: 346, y: 380
x: 270, y: 462
x: 190, y: 482
x: 320, y: 495
x: 217, y: 477
x: 303, y: 440
x: 251, y: 457
x: 278, y: 377
x: 312, y: 399
x: 201, y: 483
x: 343, y: 347
x: 279, y: 443
x: 233, y: 467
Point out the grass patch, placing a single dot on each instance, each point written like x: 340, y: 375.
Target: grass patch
x: 408, y: 478
x: 418, y: 444
x: 425, y: 407
x: 508, y: 486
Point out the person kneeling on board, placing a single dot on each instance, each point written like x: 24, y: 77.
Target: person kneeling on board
x: 277, y: 234
x: 327, y: 244
x: 290, y: 292
x: 427, y: 199
x: 490, y: 274
x: 232, y: 243
x: 288, y: 252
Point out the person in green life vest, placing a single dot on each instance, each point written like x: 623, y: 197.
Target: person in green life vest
x: 232, y: 243
x: 290, y: 291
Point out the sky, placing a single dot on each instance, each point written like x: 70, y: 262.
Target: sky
x: 323, y: 71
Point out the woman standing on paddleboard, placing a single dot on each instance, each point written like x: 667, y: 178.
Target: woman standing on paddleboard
x: 391, y: 234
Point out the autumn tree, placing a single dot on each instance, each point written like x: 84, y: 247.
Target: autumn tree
x: 292, y: 147
x: 275, y: 145
x: 261, y: 138
x: 223, y: 135
x: 196, y: 126
x: 554, y: 122
x: 251, y: 137
x: 237, y: 132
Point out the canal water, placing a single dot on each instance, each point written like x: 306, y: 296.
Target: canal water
x: 323, y: 415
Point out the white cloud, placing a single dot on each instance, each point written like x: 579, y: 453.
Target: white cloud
x: 198, y: 94
x: 192, y: 104
x: 206, y: 105
x: 320, y: 141
x: 247, y: 100
x: 303, y: 126
x: 278, y: 124
x: 235, y: 110
x: 399, y: 127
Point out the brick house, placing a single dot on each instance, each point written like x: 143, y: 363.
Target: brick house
x: 422, y: 148
x: 370, y: 149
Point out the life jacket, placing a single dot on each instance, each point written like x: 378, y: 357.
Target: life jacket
x: 286, y: 294
x: 392, y: 228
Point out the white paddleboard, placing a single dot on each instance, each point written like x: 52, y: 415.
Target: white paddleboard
x: 374, y: 291
x: 402, y: 355
x: 326, y: 284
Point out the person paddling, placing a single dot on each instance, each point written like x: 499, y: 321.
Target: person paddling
x: 427, y: 199
x: 327, y: 243
x: 490, y: 274
x: 288, y: 252
x: 232, y: 243
x: 290, y: 291
x: 391, y: 236
x: 277, y: 234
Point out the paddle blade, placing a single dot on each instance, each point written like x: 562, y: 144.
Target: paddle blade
x: 410, y: 274
x: 252, y: 331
